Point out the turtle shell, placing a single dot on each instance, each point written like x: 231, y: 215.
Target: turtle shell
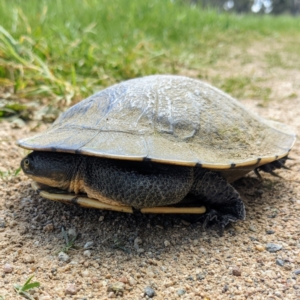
x: 167, y: 119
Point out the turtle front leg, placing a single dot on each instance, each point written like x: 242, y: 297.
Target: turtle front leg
x: 223, y: 202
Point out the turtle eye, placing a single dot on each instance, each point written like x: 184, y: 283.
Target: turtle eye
x: 26, y: 162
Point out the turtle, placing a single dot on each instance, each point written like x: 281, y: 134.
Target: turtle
x: 149, y: 143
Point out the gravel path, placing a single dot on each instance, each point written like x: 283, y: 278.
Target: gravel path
x: 125, y: 256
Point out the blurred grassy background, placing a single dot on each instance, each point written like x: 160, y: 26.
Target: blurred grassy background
x: 55, y: 53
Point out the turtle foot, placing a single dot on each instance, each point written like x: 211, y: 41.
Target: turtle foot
x: 272, y: 166
x: 222, y: 220
x: 223, y: 202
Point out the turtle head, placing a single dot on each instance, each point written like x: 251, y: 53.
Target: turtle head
x: 50, y: 168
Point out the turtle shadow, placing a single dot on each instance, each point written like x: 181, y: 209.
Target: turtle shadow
x: 253, y: 188
x: 119, y: 232
x: 112, y: 233
x: 262, y: 197
x: 249, y: 186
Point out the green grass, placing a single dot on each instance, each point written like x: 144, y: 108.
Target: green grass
x: 69, y: 241
x: 244, y: 87
x: 22, y: 290
x: 60, y: 51
x: 5, y: 175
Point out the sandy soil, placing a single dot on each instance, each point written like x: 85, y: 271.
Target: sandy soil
x: 131, y: 256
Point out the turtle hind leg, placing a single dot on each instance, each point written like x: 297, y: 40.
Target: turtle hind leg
x: 276, y: 164
x: 223, y: 202
x: 272, y: 166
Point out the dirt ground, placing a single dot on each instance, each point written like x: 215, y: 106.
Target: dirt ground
x: 127, y: 256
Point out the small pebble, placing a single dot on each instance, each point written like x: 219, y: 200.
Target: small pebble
x: 166, y: 243
x: 137, y: 241
x: 296, y: 286
x: 259, y: 248
x: 54, y: 271
x: 123, y: 279
x: 45, y: 297
x: 149, y: 292
x: 297, y: 272
x: 185, y: 223
x: 163, y: 268
x: 273, y: 247
x: 270, y: 231
x: 203, y: 250
x: 2, y: 223
x: 9, y: 204
x: 169, y: 283
x: 252, y: 228
x: 236, y: 272
x: 117, y: 288
x: 48, y: 227
x: 71, y: 289
x: 131, y: 281
x: 111, y: 295
x: 28, y: 259
x: 17, y: 123
x: 270, y: 273
x: 86, y: 264
x: 278, y: 294
x: 279, y: 262
x: 150, y: 254
x: 85, y: 273
x: 87, y: 253
x: 225, y: 288
x: 195, y: 242
x: 12, y: 223
x: 181, y: 292
x: 72, y: 233
x: 23, y: 230
x: 88, y: 245
x: 62, y: 256
x: 7, y: 268
x: 200, y: 276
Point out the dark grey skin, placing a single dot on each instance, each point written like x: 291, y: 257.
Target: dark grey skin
x: 141, y: 184
x: 138, y: 184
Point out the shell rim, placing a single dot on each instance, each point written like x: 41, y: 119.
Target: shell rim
x: 247, y: 163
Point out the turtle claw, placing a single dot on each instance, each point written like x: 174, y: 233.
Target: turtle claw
x: 286, y: 168
x: 221, y: 230
x: 219, y: 218
x: 270, y: 167
x: 289, y: 158
x: 210, y: 216
x: 256, y: 171
x: 275, y: 174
